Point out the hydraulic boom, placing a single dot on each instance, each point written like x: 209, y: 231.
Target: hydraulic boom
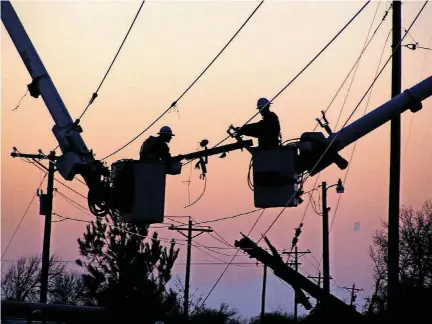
x: 318, y: 152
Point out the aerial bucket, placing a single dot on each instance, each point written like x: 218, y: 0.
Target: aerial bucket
x: 275, y: 178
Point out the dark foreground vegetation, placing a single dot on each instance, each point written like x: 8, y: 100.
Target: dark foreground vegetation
x: 127, y: 273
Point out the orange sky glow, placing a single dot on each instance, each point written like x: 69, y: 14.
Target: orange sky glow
x: 169, y: 46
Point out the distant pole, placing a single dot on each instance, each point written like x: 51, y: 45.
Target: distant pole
x: 47, y: 231
x: 353, y: 291
x: 318, y: 278
x: 295, y: 293
x: 46, y: 211
x: 263, y: 296
x: 188, y: 262
x: 395, y: 156
x: 296, y: 263
x: 189, y: 237
x: 325, y: 231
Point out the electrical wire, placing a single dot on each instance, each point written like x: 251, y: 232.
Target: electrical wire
x: 201, y: 195
x: 348, y: 119
x: 357, y: 61
x: 227, y: 266
x: 298, y: 74
x: 95, y: 94
x: 188, y: 88
x: 228, y: 217
x: 355, y: 144
x: 412, y: 116
x: 22, y: 218
x: 356, y: 64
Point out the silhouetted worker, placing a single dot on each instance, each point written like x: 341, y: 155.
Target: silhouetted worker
x: 156, y: 148
x: 266, y: 130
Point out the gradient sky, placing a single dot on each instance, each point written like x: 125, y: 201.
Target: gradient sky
x: 169, y: 46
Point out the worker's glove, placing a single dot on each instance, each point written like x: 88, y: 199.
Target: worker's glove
x: 236, y: 129
x: 179, y: 157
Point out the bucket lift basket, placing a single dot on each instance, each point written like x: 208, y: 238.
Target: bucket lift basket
x: 275, y: 177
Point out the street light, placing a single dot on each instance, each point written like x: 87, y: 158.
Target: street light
x: 326, y: 262
x: 339, y: 187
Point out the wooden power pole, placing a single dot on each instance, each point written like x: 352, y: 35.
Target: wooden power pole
x: 353, y: 291
x: 395, y: 155
x: 46, y: 201
x: 296, y: 263
x: 263, y: 296
x: 189, y: 237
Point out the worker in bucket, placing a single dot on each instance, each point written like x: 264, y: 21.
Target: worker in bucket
x: 155, y: 148
x: 266, y: 130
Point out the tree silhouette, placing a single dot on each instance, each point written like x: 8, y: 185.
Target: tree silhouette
x: 67, y: 289
x: 415, y: 264
x: 21, y: 281
x: 127, y: 271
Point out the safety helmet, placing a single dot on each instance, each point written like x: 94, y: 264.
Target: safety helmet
x: 166, y: 130
x: 262, y: 102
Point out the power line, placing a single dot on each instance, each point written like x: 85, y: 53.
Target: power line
x: 228, y: 217
x: 355, y: 144
x: 298, y: 74
x: 358, y: 62
x: 227, y: 266
x: 355, y: 63
x: 188, y: 88
x: 95, y: 94
x: 412, y: 116
x: 22, y: 218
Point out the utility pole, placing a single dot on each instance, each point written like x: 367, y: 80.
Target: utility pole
x: 318, y: 278
x: 46, y: 209
x: 263, y: 294
x: 325, y: 231
x: 395, y: 156
x: 296, y: 264
x: 353, y: 290
x: 189, y: 237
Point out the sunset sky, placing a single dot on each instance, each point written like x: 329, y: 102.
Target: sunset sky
x: 169, y: 46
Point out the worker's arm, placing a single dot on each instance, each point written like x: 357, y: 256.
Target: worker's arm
x: 253, y: 130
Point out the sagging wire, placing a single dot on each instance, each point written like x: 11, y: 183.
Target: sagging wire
x: 188, y: 88
x: 201, y: 165
x: 22, y: 218
x: 19, y: 102
x: 227, y: 266
x: 201, y: 195
x: 95, y: 94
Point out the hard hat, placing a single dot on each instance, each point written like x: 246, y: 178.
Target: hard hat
x: 166, y: 130
x: 262, y: 102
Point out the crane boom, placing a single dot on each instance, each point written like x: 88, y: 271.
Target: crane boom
x: 318, y: 152
x: 76, y: 158
x: 409, y: 99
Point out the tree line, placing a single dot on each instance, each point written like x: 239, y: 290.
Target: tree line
x: 127, y: 272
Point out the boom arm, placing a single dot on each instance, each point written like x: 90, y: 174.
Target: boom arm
x: 76, y: 159
x: 314, y: 155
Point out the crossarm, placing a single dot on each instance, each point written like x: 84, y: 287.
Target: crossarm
x: 215, y: 150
